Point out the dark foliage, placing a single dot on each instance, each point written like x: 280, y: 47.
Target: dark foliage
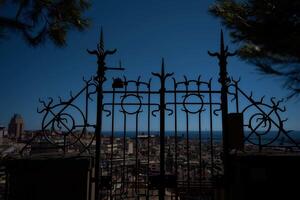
x: 39, y: 20
x: 268, y: 34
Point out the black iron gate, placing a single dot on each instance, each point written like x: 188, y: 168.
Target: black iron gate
x: 152, y: 145
x: 136, y: 161
x: 164, y: 139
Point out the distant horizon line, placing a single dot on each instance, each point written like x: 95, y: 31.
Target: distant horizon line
x: 145, y: 131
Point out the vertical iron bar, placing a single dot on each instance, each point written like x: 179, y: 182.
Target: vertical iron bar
x: 137, y: 162
x: 176, y: 135
x: 124, y: 154
x: 200, y: 138
x: 112, y: 139
x: 148, y: 130
x: 187, y: 141
x: 86, y: 105
x: 162, y: 139
x: 200, y: 147
x: 162, y: 106
x: 211, y: 131
x: 87, y: 117
x: 236, y: 97
x: 98, y: 131
x: 99, y: 80
x: 187, y: 150
x: 136, y: 156
x: 222, y: 56
x: 137, y: 144
x: 224, y: 107
x: 124, y: 172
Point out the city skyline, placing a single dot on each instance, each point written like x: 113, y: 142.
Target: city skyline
x: 143, y: 33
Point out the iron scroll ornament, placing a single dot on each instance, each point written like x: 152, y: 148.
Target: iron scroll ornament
x: 262, y: 120
x: 59, y: 126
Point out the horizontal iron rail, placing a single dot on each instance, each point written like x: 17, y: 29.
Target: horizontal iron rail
x: 156, y: 104
x: 157, y: 92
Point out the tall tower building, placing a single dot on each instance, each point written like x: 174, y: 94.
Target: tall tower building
x: 2, y: 131
x: 16, y: 127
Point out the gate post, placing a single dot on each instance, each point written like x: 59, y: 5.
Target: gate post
x: 162, y: 106
x: 224, y: 81
x: 100, y: 78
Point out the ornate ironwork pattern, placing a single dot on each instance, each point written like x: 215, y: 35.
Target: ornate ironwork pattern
x: 65, y: 124
x: 263, y: 124
x: 155, y: 138
x: 137, y: 103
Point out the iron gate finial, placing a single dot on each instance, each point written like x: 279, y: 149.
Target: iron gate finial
x: 162, y: 75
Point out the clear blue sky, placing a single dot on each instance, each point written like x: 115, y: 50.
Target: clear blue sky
x: 143, y: 32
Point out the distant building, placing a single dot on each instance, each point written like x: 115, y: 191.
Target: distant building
x: 2, y: 129
x: 2, y: 132
x: 130, y: 148
x: 16, y: 126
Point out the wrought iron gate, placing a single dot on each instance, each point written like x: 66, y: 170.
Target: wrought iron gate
x: 156, y: 148
x: 150, y: 140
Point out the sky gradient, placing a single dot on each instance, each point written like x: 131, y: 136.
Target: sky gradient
x: 143, y: 32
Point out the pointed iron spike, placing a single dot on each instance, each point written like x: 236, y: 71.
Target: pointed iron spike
x: 199, y: 78
x: 149, y: 82
x: 251, y: 95
x: 162, y: 66
x: 50, y: 100
x: 185, y: 78
x: 226, y: 48
x: 222, y: 42
x: 101, y: 40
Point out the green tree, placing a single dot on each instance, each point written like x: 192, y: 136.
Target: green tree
x: 41, y: 20
x: 268, y: 35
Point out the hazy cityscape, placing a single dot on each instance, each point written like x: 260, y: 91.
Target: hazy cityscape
x: 130, y: 165
x: 129, y: 162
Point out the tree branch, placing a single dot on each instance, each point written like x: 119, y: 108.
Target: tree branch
x: 6, y: 22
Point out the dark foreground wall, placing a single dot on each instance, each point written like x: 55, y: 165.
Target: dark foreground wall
x: 50, y: 178
x: 264, y: 176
